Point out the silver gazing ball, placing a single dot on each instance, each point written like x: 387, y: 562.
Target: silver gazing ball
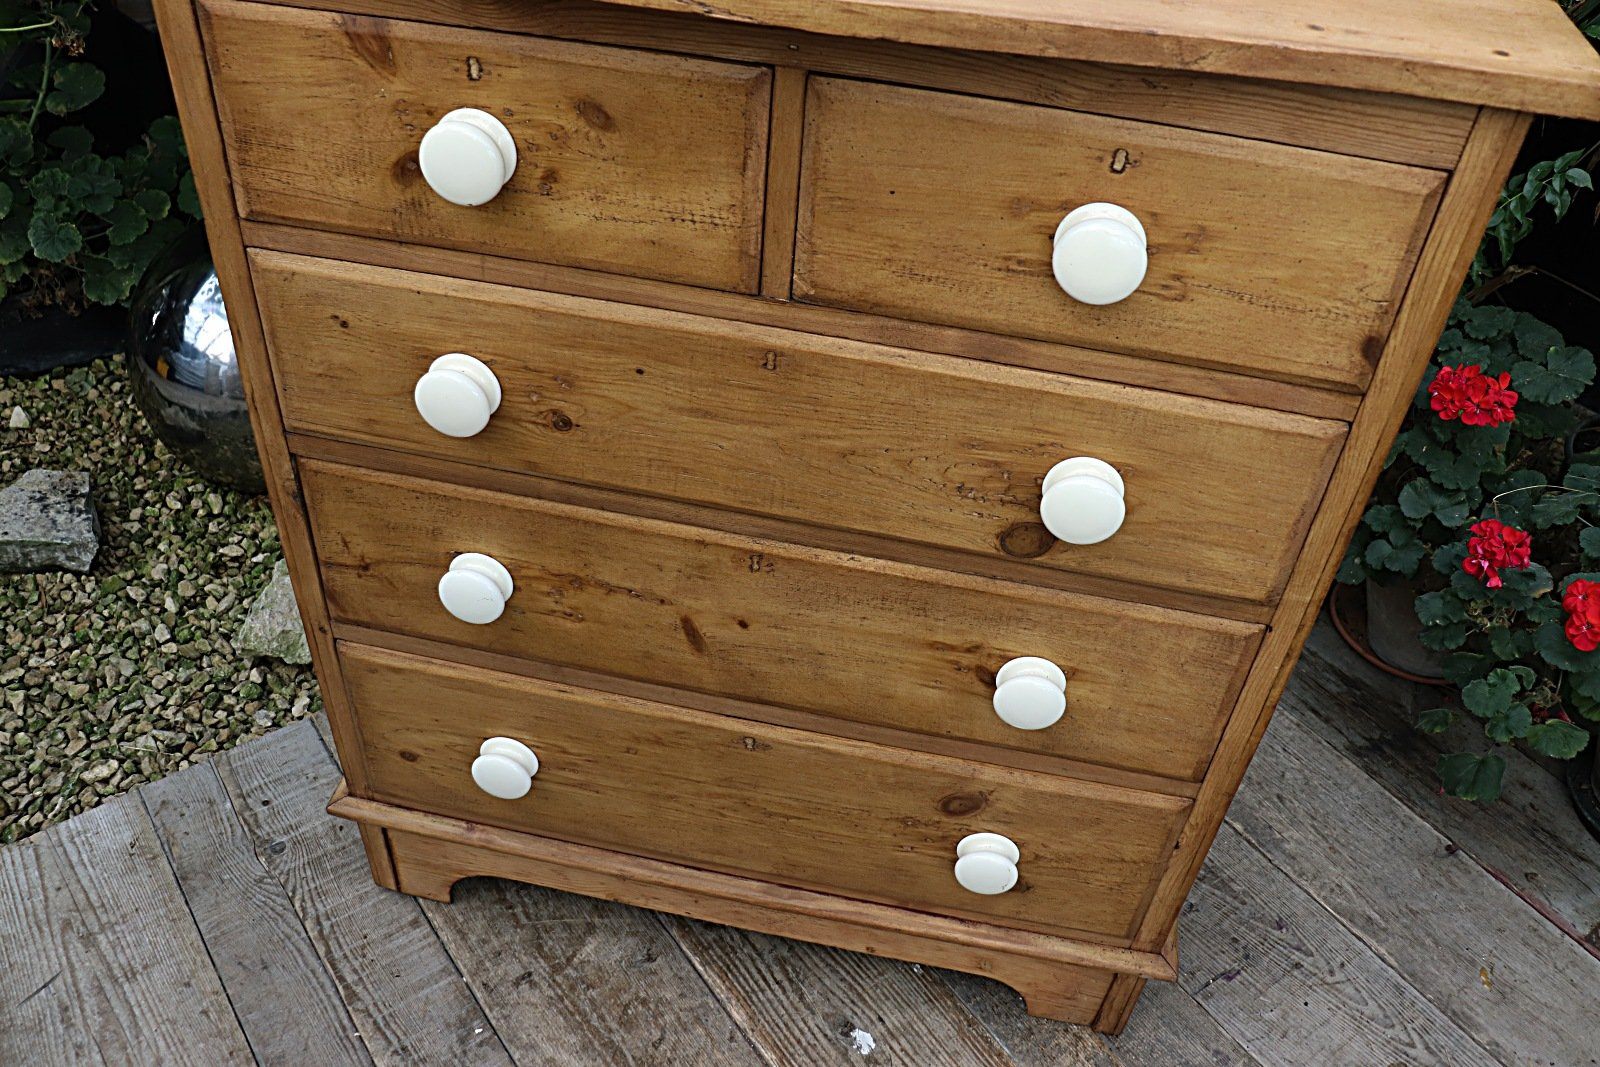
x: 183, y: 370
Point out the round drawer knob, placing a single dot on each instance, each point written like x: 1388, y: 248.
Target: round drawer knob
x: 986, y: 863
x: 1030, y: 693
x: 468, y: 156
x: 1082, y: 502
x: 505, y: 768
x: 1100, y: 254
x: 475, y: 588
x: 457, y: 395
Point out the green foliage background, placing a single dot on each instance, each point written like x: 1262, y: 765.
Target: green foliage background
x: 76, y: 226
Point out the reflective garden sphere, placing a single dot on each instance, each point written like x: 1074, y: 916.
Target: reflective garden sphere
x: 183, y: 370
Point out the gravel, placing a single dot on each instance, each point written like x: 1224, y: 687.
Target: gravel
x: 127, y: 673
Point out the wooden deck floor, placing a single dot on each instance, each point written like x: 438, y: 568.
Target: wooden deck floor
x: 1347, y: 916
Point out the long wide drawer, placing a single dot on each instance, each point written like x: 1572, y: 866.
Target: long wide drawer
x: 909, y: 648
x: 1276, y: 261
x: 627, y: 161
x: 919, y: 447
x: 795, y: 807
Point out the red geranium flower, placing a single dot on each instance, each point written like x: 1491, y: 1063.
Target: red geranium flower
x: 1494, y: 547
x: 1581, y: 601
x: 1477, y: 399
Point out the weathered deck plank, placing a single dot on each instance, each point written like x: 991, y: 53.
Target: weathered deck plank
x: 808, y: 1005
x: 281, y: 993
x: 1529, y: 836
x: 577, y: 982
x: 102, y: 963
x: 1502, y: 972
x: 1292, y: 984
x: 408, y: 1000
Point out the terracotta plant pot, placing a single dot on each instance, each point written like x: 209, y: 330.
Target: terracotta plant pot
x: 1381, y: 625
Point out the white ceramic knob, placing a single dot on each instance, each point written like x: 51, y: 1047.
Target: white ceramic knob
x: 1100, y: 254
x: 475, y: 588
x: 986, y: 863
x: 1082, y: 502
x: 505, y: 768
x: 468, y: 156
x: 1030, y: 693
x: 457, y: 395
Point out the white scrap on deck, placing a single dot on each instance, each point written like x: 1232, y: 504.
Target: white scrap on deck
x: 862, y: 1041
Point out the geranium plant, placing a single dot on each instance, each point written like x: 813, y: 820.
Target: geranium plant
x: 1479, y: 503
x: 76, y: 226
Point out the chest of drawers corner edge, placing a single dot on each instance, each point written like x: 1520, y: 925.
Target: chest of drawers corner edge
x: 653, y: 606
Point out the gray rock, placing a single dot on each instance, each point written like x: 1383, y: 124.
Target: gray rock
x: 19, y: 419
x: 47, y: 522
x: 272, y: 625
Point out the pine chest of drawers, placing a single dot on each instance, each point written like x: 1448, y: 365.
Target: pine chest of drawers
x: 856, y: 470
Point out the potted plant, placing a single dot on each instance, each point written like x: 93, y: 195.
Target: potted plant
x: 90, y: 189
x: 1480, y: 510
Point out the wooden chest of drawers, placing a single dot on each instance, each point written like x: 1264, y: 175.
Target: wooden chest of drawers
x: 857, y: 470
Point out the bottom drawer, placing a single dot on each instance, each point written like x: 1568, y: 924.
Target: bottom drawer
x: 749, y: 798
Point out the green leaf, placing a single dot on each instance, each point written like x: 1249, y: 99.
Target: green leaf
x: 53, y: 239
x: 105, y: 282
x: 1421, y: 498
x: 1435, y: 720
x: 1491, y: 696
x: 1535, y: 338
x: 1472, y: 777
x: 1562, y: 740
x: 1557, y: 508
x: 1446, y: 638
x: 127, y: 222
x: 13, y: 241
x: 75, y: 142
x: 1551, y: 642
x: 153, y: 202
x: 1510, y: 726
x: 77, y: 85
x: 1560, y: 377
x: 188, y: 199
x: 1589, y: 541
x: 1435, y: 609
x: 1384, y: 518
x: 7, y: 198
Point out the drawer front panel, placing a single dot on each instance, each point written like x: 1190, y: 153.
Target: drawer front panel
x: 1271, y: 260
x: 780, y: 804
x: 924, y: 448
x: 1147, y: 689
x: 626, y: 161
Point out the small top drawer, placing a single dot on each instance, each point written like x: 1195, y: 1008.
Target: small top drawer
x: 624, y: 161
x: 1279, y: 262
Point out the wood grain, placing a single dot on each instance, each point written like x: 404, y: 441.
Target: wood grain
x: 186, y: 67
x: 763, y: 621
x: 1514, y: 54
x: 102, y: 963
x: 583, y: 983
x: 1401, y: 129
x: 783, y: 181
x: 805, y: 1005
x: 627, y: 161
x: 1280, y: 242
x: 1524, y: 837
x: 912, y: 446
x: 1292, y: 984
x: 1517, y: 985
x: 758, y: 800
x: 1443, y: 264
x: 829, y: 322
x: 390, y: 969
x: 285, y: 1000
